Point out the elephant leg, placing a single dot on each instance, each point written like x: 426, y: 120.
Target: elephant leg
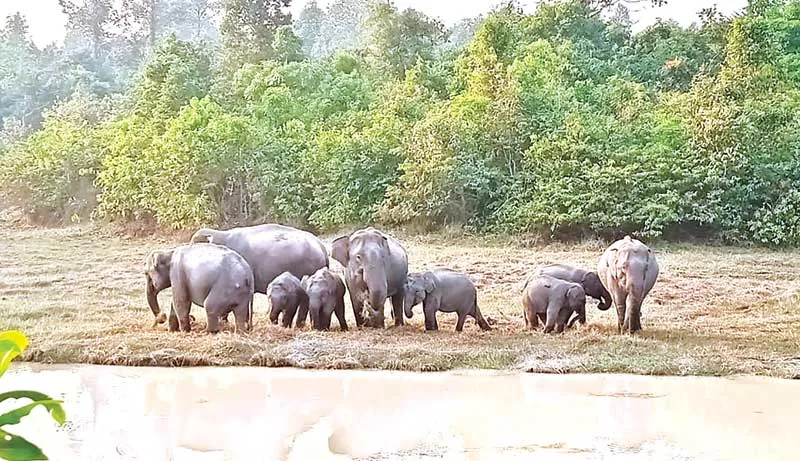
x: 288, y: 316
x: 620, y: 298
x: 302, y: 312
x: 553, y: 310
x: 358, y: 308
x: 182, y: 307
x: 173, y: 318
x: 241, y: 314
x: 429, y: 308
x: 340, y: 314
x: 274, y: 312
x: 397, y: 309
x: 460, y: 323
x: 531, y: 319
x: 213, y: 321
x: 633, y: 321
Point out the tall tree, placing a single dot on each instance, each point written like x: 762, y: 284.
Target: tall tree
x: 400, y: 39
x: 308, y: 27
x: 20, y: 98
x: 90, y: 21
x: 248, y: 27
x: 287, y: 46
x: 344, y: 26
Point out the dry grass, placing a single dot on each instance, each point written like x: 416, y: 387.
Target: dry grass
x: 79, y: 294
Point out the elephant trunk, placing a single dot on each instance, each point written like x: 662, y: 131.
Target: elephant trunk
x: 605, y: 299
x: 315, y: 319
x: 152, y: 300
x: 408, y: 306
x: 375, y: 278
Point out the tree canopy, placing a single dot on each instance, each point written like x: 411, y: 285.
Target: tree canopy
x: 560, y: 121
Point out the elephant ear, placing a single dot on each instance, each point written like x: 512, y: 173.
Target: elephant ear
x: 429, y: 282
x: 575, y: 291
x: 163, y: 258
x: 151, y: 262
x: 304, y: 282
x: 340, y: 249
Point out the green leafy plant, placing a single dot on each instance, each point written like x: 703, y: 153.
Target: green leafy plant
x: 14, y: 447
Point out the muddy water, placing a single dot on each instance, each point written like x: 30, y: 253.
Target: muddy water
x: 206, y: 414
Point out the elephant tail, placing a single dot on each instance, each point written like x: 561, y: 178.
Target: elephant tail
x: 479, y: 318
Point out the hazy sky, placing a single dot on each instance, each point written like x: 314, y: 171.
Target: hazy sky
x: 47, y: 21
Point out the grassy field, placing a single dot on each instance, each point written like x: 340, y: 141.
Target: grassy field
x: 78, y: 293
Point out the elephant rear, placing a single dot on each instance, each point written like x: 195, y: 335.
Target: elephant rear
x: 628, y: 269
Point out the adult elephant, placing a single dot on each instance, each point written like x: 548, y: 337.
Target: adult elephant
x: 628, y: 270
x: 211, y: 276
x: 376, y: 268
x: 270, y: 250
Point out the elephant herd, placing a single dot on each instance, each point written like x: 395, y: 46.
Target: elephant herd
x: 221, y: 270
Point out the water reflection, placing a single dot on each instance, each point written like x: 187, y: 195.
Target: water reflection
x: 205, y: 414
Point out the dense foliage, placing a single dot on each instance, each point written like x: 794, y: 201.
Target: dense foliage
x: 562, y: 121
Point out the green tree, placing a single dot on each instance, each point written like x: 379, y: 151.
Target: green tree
x: 399, y: 39
x: 287, y: 46
x: 248, y: 27
x: 308, y: 27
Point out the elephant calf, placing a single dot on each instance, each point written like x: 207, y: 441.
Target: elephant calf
x: 589, y: 280
x: 442, y: 290
x: 325, y: 292
x: 553, y: 301
x: 205, y: 274
x: 286, y: 295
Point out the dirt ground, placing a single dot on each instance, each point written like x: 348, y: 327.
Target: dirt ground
x: 78, y: 293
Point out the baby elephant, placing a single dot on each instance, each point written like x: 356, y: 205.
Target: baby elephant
x: 443, y: 290
x: 325, y: 292
x: 589, y: 280
x: 286, y: 295
x: 553, y: 301
x: 205, y: 274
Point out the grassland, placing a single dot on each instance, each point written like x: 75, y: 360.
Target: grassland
x: 78, y: 292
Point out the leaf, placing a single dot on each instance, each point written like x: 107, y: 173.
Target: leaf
x: 12, y: 343
x: 15, y: 416
x: 16, y: 448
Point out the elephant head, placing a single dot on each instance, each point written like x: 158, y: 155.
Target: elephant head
x: 594, y: 288
x: 206, y: 235
x: 417, y: 288
x: 157, y: 273
x: 575, y: 302
x: 322, y: 289
x: 365, y: 254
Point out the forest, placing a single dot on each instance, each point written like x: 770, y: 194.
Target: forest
x: 561, y: 121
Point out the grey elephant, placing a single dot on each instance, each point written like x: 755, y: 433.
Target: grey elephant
x: 589, y: 280
x: 325, y: 292
x: 376, y: 267
x: 552, y: 301
x: 270, y: 249
x: 287, y: 297
x: 628, y: 270
x: 208, y: 275
x: 446, y: 291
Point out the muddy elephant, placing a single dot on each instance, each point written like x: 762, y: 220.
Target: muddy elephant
x: 589, y: 280
x: 628, y: 270
x: 552, y: 301
x: 208, y: 275
x: 446, y: 291
x: 271, y: 249
x: 325, y: 292
x: 376, y: 267
x: 287, y: 298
